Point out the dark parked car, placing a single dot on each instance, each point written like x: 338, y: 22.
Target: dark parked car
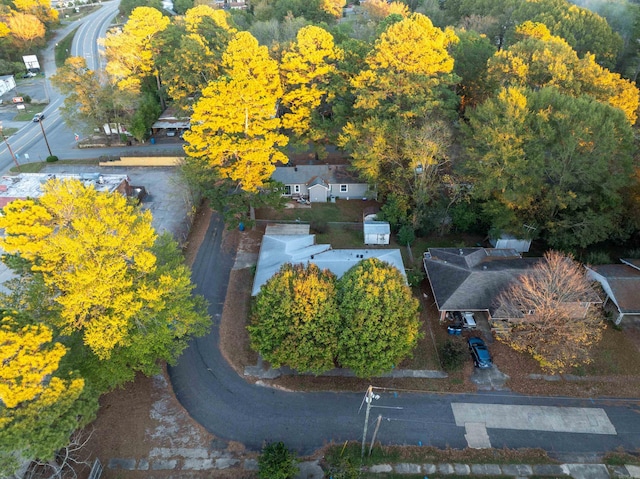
x: 38, y: 117
x: 480, y: 353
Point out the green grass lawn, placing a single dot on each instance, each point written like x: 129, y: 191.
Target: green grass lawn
x: 63, y: 49
x: 7, y: 132
x: 28, y: 112
x: 37, y: 167
x: 340, y: 211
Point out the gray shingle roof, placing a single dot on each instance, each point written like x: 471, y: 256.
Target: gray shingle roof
x: 471, y: 278
x: 315, y: 175
x: 624, y: 282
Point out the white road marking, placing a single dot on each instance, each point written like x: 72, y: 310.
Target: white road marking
x: 535, y: 418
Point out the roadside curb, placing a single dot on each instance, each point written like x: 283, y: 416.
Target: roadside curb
x: 311, y: 469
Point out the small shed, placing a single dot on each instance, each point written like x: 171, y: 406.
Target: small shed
x: 506, y: 241
x: 376, y: 232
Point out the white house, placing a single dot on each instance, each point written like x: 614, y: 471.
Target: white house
x: 279, y: 249
x: 321, y: 183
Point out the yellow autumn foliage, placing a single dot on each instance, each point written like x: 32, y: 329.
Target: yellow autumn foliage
x: 91, y: 248
x: 541, y: 60
x: 194, y: 17
x: 129, y: 53
x: 234, y: 124
x: 306, y: 69
x: 27, y: 358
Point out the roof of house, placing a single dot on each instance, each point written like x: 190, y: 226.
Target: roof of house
x: 276, y: 250
x: 312, y: 175
x: 29, y: 185
x: 624, y: 282
x: 471, y: 278
x: 377, y: 228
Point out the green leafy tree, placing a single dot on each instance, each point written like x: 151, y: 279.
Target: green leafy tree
x: 127, y: 6
x: 471, y: 54
x: 546, y: 159
x: 380, y: 320
x: 192, y: 52
x: 145, y: 115
x: 276, y: 462
x: 295, y: 319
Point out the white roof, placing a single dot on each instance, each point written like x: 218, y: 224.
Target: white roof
x: 29, y: 185
x: 276, y: 250
x: 377, y: 228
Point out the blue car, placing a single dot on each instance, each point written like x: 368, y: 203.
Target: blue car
x: 480, y: 353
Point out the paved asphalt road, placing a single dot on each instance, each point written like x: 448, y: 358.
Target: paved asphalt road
x: 29, y: 139
x: 233, y: 409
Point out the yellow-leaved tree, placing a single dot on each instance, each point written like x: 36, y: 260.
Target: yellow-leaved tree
x: 541, y: 60
x: 38, y: 409
x: 234, y: 126
x: 130, y: 55
x: 378, y: 10
x: 407, y: 69
x: 93, y: 251
x: 306, y: 68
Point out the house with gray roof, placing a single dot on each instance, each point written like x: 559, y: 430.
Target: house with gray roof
x: 279, y: 249
x: 621, y: 283
x: 470, y: 279
x: 321, y: 183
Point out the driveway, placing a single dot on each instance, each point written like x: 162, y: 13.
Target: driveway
x: 233, y: 409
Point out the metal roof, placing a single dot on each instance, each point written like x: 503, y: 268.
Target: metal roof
x: 277, y: 250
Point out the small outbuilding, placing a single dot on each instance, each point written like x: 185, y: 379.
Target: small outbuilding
x: 376, y: 232
x: 7, y: 83
x: 507, y: 241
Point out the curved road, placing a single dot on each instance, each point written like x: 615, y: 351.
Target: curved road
x: 233, y: 409
x: 29, y: 139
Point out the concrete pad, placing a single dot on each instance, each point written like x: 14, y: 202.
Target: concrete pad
x: 309, y: 470
x: 164, y: 465
x: 245, y: 260
x: 587, y: 471
x: 445, y: 468
x: 378, y: 468
x: 407, y: 468
x: 226, y: 463
x: 187, y: 452
x: 429, y: 468
x: 486, y: 469
x: 517, y: 470
x: 126, y: 464
x: 535, y: 418
x: 197, y: 464
x: 634, y: 471
x: 143, y: 465
x: 548, y: 470
x: 476, y: 435
x: 461, y: 469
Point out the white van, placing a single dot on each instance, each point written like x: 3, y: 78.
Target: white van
x: 469, y: 320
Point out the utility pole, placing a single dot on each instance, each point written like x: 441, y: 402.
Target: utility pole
x: 375, y: 433
x: 15, y: 160
x: 368, y: 398
x: 45, y: 137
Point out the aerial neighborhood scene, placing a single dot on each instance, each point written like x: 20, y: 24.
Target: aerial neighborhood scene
x: 305, y: 239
